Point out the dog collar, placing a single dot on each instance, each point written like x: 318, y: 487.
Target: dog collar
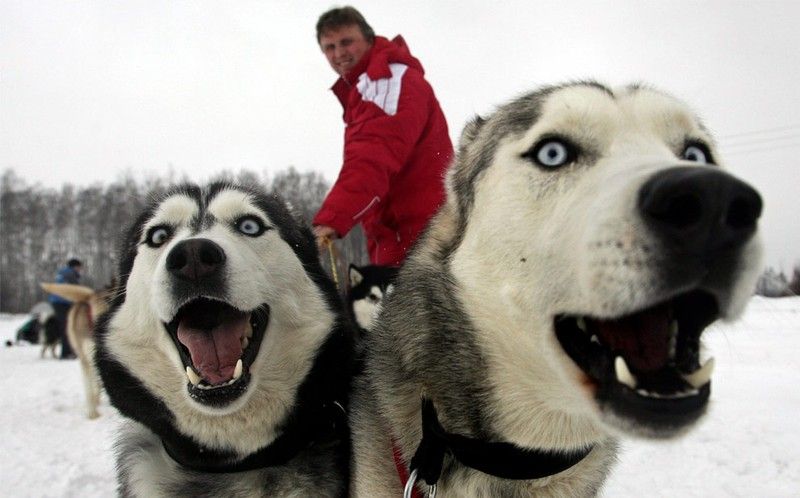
x: 327, y: 423
x: 499, y: 459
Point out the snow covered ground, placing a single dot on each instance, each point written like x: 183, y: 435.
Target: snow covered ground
x: 748, y: 445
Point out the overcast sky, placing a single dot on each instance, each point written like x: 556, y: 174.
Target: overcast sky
x: 89, y: 90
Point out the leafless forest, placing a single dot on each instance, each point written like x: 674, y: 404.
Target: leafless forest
x: 41, y: 228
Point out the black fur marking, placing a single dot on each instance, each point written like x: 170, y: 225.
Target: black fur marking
x: 327, y: 382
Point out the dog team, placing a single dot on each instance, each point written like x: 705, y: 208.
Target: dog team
x: 558, y: 271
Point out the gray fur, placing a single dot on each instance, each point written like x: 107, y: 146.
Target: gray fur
x: 299, y: 370
x: 432, y: 340
x: 144, y: 469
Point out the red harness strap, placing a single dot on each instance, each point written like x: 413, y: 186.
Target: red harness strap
x: 402, y: 470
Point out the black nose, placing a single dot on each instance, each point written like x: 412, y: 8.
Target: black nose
x: 700, y: 210
x: 195, y: 259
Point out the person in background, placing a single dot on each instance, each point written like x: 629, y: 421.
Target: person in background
x: 70, y: 274
x: 396, y: 142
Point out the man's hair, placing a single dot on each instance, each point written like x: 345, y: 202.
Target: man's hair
x: 344, y: 16
x: 72, y: 263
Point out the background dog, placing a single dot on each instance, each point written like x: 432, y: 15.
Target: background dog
x: 369, y: 285
x: 87, y: 306
x: 557, y: 300
x: 49, y: 334
x: 229, y: 350
x: 42, y: 328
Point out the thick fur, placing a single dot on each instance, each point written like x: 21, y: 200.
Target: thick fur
x: 304, y: 356
x: 470, y: 324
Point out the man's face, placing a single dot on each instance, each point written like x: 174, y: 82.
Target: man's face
x: 344, y: 47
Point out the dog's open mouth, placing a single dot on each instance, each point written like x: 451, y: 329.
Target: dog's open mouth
x: 646, y: 365
x: 217, y: 344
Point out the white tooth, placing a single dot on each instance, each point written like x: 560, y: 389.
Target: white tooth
x: 581, y: 323
x: 248, y: 332
x: 701, y: 376
x: 595, y: 339
x: 192, y: 375
x: 624, y: 375
x: 237, y: 372
x: 245, y: 343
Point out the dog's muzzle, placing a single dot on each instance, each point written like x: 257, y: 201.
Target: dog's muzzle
x: 217, y: 344
x: 216, y: 341
x: 700, y: 211
x: 646, y: 365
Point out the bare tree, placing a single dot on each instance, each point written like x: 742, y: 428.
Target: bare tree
x: 772, y: 283
x: 794, y: 283
x: 40, y: 228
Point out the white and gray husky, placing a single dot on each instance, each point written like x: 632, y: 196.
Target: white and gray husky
x: 228, y: 350
x: 557, y: 300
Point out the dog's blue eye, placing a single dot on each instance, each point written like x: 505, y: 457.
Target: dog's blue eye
x: 250, y: 225
x: 697, y: 153
x: 552, y: 153
x: 158, y: 235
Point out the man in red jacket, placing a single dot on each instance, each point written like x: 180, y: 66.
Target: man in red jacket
x: 396, y: 143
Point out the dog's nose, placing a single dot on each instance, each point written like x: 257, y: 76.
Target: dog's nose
x: 195, y: 259
x: 700, y: 210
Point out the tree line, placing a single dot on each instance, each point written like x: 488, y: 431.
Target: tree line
x: 775, y: 283
x: 41, y: 228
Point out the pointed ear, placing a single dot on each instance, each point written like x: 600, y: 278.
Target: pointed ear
x: 470, y: 131
x: 356, y: 277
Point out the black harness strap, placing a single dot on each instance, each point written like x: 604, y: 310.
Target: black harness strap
x: 326, y: 424
x: 499, y: 459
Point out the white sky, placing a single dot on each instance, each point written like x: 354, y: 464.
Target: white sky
x: 92, y: 89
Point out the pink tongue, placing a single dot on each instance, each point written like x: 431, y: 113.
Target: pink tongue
x: 643, y: 338
x: 215, y: 352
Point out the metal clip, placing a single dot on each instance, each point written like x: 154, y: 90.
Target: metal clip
x: 408, y: 491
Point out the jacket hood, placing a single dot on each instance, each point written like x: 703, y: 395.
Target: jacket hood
x: 382, y: 53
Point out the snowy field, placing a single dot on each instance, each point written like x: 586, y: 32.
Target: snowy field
x: 748, y: 445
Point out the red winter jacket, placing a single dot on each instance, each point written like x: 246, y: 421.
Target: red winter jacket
x: 396, y: 150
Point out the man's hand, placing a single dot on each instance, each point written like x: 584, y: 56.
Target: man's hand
x: 324, y: 233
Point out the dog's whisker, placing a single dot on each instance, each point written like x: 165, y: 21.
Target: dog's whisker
x: 179, y: 336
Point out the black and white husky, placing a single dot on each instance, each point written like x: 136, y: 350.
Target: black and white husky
x: 557, y: 300
x: 229, y: 351
x: 369, y: 285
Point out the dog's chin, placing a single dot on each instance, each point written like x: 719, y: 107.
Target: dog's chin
x: 217, y: 344
x: 644, y: 367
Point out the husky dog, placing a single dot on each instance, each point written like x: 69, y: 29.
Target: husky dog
x: 49, y: 335
x: 87, y: 306
x: 557, y: 300
x: 229, y: 350
x: 368, y: 287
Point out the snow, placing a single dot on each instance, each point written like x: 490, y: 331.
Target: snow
x: 748, y: 444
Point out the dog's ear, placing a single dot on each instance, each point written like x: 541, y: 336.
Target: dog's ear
x: 470, y: 131
x: 356, y: 277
